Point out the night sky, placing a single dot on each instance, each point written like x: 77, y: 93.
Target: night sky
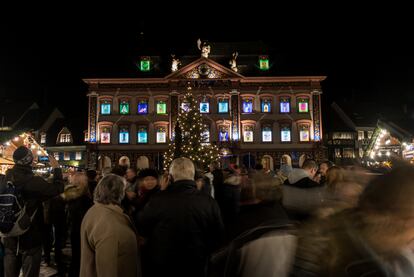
x: 367, y: 55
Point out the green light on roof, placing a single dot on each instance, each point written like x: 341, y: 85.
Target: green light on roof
x: 264, y: 63
x: 145, y: 65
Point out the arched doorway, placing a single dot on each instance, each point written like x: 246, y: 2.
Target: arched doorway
x: 104, y: 161
x: 267, y: 162
x: 124, y: 161
x: 142, y: 162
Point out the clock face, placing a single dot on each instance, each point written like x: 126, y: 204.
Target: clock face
x: 204, y: 70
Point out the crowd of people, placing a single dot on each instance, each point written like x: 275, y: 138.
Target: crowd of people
x: 315, y: 220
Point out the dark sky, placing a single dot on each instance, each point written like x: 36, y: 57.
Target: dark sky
x: 366, y: 54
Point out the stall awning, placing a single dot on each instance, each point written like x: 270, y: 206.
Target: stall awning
x: 4, y: 161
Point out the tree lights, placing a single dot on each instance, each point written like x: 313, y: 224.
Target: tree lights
x: 190, y: 137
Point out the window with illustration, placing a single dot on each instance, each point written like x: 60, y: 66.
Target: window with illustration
x: 185, y: 107
x: 248, y: 133
x: 161, y: 135
x: 143, y: 107
x: 142, y: 135
x: 267, y: 133
x: 161, y: 107
x: 205, y: 135
x: 266, y: 105
x: 204, y: 106
x: 123, y: 134
x: 284, y: 105
x: 105, y: 135
x: 303, y: 105
x: 304, y: 132
x: 223, y: 106
x: 247, y: 105
x: 124, y: 107
x: 105, y: 107
x: 285, y: 133
x: 224, y: 133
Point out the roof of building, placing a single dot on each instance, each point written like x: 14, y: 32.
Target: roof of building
x: 75, y: 127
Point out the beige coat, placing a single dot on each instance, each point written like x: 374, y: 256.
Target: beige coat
x: 108, y: 244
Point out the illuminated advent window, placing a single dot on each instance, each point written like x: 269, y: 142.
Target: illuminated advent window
x: 105, y: 135
x: 161, y: 107
x: 266, y: 105
x: 267, y: 134
x: 56, y: 156
x: 248, y: 133
x: 185, y: 106
x: 204, y: 107
x: 161, y: 135
x: 143, y: 107
x: 124, y: 107
x: 205, y: 136
x: 285, y: 134
x: 264, y: 62
x: 304, y: 132
x: 105, y: 107
x: 224, y: 133
x: 223, y: 106
x: 145, y: 64
x: 142, y: 135
x: 303, y: 105
x: 284, y: 105
x: 247, y: 105
x: 123, y: 135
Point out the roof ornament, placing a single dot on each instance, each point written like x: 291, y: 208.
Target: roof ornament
x: 204, y: 47
x: 233, y: 62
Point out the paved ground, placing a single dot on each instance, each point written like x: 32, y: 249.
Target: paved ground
x: 49, y: 271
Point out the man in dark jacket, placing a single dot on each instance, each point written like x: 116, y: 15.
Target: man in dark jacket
x: 25, y: 251
x: 183, y: 226
x: 303, y: 178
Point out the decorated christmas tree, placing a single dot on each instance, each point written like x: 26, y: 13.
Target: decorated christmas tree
x: 191, y: 137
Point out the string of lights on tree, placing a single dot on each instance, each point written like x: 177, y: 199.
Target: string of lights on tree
x: 191, y: 137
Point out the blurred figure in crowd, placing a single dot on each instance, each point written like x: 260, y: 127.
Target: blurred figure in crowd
x: 79, y: 200
x: 371, y: 240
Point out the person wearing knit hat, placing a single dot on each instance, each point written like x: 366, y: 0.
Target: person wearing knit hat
x: 148, y: 185
x: 148, y: 172
x: 23, y: 156
x: 25, y: 251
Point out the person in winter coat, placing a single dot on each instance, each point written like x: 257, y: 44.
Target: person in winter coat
x: 302, y: 196
x: 25, y: 252
x: 79, y: 201
x: 148, y: 187
x: 373, y: 239
x: 92, y: 177
x: 229, y: 200
x: 109, y: 244
x: 303, y: 177
x: 182, y: 225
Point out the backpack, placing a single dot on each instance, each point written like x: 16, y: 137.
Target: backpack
x: 14, y: 220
